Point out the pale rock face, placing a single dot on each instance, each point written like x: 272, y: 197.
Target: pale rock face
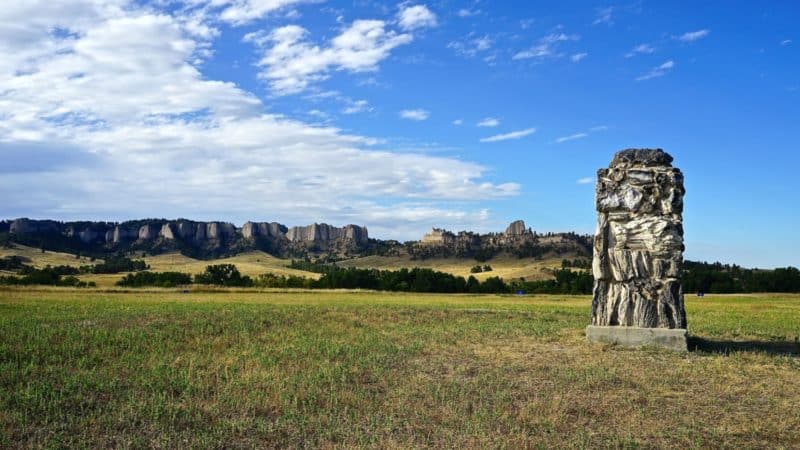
x: 327, y: 233
x: 516, y: 228
x: 166, y: 232
x: 638, y: 247
x: 147, y: 232
x: 122, y: 234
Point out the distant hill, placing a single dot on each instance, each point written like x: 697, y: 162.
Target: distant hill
x: 320, y: 242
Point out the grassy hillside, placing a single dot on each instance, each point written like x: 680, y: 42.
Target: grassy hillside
x: 251, y: 263
x: 506, y: 267
x: 164, y: 369
x: 37, y: 258
x: 255, y: 263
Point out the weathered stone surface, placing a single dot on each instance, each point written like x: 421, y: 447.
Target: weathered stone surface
x: 323, y: 232
x: 516, y: 228
x: 673, y: 339
x: 638, y: 246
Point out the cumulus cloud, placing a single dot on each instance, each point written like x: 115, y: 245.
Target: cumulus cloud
x: 290, y: 63
x: 658, y: 71
x: 488, y: 122
x: 130, y: 127
x: 417, y: 16
x: 415, y: 114
x: 510, y: 136
x: 692, y: 36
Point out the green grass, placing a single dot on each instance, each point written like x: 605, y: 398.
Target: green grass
x: 83, y: 368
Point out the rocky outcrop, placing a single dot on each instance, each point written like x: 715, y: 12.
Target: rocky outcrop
x: 516, y: 228
x: 638, y: 246
x: 27, y: 226
x: 325, y: 233
x: 252, y: 230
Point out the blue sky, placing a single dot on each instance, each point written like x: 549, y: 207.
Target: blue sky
x: 401, y: 116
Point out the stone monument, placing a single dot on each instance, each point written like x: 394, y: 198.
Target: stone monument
x: 638, y: 252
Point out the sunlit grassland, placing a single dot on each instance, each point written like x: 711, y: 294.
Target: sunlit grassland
x: 344, y: 369
x: 505, y: 266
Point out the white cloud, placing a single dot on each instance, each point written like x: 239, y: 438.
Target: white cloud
x: 472, y: 45
x: 692, y: 36
x: 290, y: 63
x: 571, y: 137
x: 239, y: 12
x: 658, y: 71
x: 122, y: 124
x: 786, y: 42
x: 546, y: 46
x: 508, y: 136
x: 584, y: 180
x: 356, y: 106
x: 598, y: 128
x: 641, y: 49
x: 578, y: 56
x: 604, y: 15
x: 417, y: 16
x: 464, y: 12
x: 414, y: 114
x: 488, y: 122
x: 458, y: 122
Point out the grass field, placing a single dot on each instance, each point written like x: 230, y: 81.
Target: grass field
x: 85, y: 368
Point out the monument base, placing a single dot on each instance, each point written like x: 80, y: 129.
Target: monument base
x: 673, y: 339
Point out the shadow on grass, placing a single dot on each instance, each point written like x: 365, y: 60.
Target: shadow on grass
x: 699, y: 344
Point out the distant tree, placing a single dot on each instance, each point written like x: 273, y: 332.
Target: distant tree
x: 476, y: 269
x: 223, y: 275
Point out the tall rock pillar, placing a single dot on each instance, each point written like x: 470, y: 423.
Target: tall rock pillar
x: 638, y: 251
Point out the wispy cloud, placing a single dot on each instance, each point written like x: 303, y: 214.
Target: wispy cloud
x: 464, y: 12
x: 581, y: 135
x: 692, y: 36
x: 415, y: 114
x: 509, y: 136
x: 786, y: 42
x: 641, y: 49
x: 458, y: 122
x: 658, y: 71
x: 571, y: 137
x: 546, y: 46
x: 488, y: 122
x: 472, y: 45
x: 356, y: 106
x: 578, y: 56
x: 584, y: 180
x: 604, y: 15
